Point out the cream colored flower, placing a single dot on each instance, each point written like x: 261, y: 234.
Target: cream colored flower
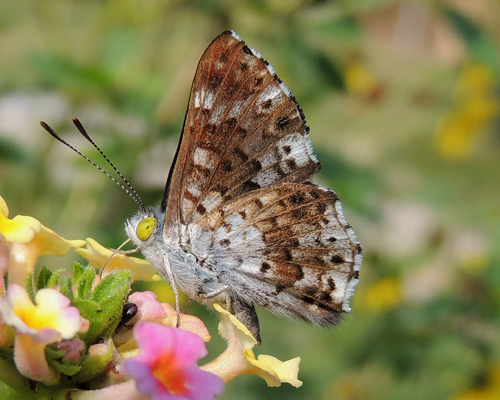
x: 27, y: 239
x: 50, y: 320
x: 97, y: 255
x: 239, y: 359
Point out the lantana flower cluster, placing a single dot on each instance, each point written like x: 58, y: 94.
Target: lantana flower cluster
x: 75, y: 335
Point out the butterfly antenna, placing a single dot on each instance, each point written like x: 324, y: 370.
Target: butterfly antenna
x: 111, y: 256
x: 84, y: 133
x: 129, y: 189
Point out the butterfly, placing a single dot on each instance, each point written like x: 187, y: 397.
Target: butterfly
x: 240, y: 222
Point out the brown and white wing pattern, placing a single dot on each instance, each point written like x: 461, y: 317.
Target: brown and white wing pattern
x: 243, y: 131
x: 292, y: 245
x: 239, y: 198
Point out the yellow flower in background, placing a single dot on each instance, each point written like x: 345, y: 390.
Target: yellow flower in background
x: 474, y: 78
x: 384, y: 295
x: 239, y: 359
x: 490, y: 391
x: 476, y: 105
x: 27, y: 239
x: 359, y: 80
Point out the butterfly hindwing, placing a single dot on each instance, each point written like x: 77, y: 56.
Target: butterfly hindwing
x: 293, y: 239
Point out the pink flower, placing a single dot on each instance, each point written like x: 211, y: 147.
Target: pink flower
x: 166, y: 366
x: 50, y: 320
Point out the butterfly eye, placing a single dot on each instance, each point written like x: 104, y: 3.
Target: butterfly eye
x: 145, y: 228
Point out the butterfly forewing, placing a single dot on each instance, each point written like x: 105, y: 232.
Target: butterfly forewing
x: 242, y: 131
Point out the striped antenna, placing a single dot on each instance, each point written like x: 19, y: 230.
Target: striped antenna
x: 128, y: 188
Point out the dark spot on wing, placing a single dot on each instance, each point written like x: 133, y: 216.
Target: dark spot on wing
x: 247, y: 50
x: 222, y: 189
x: 201, y: 209
x: 331, y: 284
x: 241, y: 154
x: 336, y: 259
x: 282, y: 122
x: 256, y: 165
x: 291, y: 163
x: 297, y: 198
x: 227, y: 166
x: 250, y: 185
x: 258, y: 203
x: 268, y: 103
x: 265, y: 267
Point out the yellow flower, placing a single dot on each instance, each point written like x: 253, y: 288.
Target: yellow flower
x: 361, y: 81
x: 476, y: 106
x: 50, y: 320
x: 20, y: 229
x: 384, y: 295
x: 26, y: 240
x: 490, y: 391
x: 97, y: 255
x: 239, y: 359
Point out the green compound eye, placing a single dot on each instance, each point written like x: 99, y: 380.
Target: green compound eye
x: 145, y: 228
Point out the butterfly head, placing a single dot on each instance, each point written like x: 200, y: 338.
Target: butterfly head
x: 144, y: 227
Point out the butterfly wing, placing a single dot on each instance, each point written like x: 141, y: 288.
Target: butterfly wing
x: 243, y: 131
x: 240, y: 186
x: 291, y: 242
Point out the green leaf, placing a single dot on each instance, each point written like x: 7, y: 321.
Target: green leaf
x: 65, y: 368
x: 88, y: 308
x: 77, y: 271
x: 67, y: 288
x: 55, y: 279
x: 83, y: 278
x: 30, y: 288
x: 43, y: 278
x: 104, y: 309
x: 52, y: 353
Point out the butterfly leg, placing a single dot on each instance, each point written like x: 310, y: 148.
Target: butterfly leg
x: 188, y: 303
x: 246, y: 314
x: 171, y: 279
x: 214, y: 293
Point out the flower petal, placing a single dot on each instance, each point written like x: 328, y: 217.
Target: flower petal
x: 30, y: 360
x: 49, y: 320
x: 166, y: 366
x: 287, y: 370
x: 4, y: 209
x: 149, y: 308
x: 121, y: 391
x: 21, y: 229
x: 50, y: 242
x: 97, y: 255
x: 239, y: 359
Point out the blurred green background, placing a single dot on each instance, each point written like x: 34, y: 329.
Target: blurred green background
x: 403, y: 103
